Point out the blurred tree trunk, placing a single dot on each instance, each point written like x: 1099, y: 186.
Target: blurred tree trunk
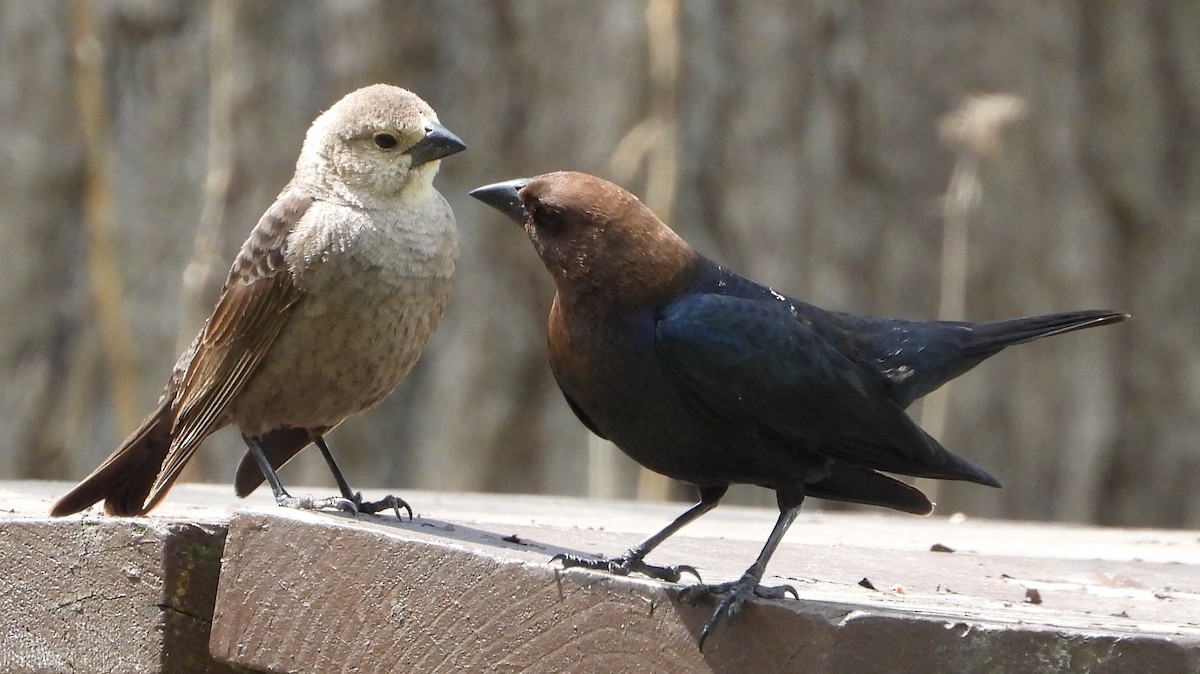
x: 48, y: 343
x: 806, y: 153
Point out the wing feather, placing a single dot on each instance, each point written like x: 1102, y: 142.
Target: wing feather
x: 254, y: 306
x: 758, y: 368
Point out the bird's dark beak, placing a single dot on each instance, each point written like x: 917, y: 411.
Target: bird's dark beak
x: 503, y: 197
x: 438, y: 142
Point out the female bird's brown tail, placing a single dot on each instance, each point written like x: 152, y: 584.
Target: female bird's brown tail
x: 124, y: 480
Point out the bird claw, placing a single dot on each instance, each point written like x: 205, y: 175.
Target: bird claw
x: 627, y: 564
x: 309, y: 502
x: 354, y: 505
x: 733, y: 596
x: 394, y: 503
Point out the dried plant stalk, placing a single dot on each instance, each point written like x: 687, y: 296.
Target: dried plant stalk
x: 652, y: 142
x: 104, y: 274
x: 974, y: 131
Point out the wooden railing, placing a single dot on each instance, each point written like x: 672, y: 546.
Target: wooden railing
x: 213, y: 584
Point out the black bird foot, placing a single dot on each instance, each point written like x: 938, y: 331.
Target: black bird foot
x: 389, y: 502
x: 309, y: 502
x: 354, y: 505
x: 627, y: 564
x: 733, y: 595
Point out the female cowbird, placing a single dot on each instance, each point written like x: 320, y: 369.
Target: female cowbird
x: 710, y: 378
x: 329, y: 304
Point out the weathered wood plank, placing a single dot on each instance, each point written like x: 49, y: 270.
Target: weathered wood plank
x: 108, y: 595
x: 471, y: 590
x: 302, y: 591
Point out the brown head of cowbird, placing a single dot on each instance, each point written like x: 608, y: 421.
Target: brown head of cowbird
x: 708, y: 377
x: 328, y: 305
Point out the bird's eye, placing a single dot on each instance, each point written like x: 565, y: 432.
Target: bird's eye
x: 385, y: 141
x: 548, y: 218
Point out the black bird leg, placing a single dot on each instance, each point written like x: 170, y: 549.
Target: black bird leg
x: 631, y: 560
x: 393, y: 502
x: 734, y: 594
x: 287, y: 500
x: 349, y: 501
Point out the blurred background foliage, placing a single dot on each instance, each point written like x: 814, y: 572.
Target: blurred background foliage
x: 970, y: 159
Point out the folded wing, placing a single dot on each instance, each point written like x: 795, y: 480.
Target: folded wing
x: 757, y: 367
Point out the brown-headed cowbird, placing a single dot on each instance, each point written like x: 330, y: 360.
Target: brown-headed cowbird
x: 328, y: 305
x: 710, y: 378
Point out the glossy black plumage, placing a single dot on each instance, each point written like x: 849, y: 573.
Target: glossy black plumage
x: 711, y: 378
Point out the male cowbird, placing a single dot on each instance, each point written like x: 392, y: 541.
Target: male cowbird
x: 328, y: 305
x: 710, y: 378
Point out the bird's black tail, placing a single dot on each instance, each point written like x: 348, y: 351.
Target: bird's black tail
x: 856, y: 484
x: 950, y: 348
x: 124, y: 480
x: 988, y: 338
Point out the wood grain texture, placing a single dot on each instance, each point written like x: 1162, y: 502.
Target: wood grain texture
x: 108, y: 596
x: 471, y: 590
x: 305, y: 593
x: 322, y: 596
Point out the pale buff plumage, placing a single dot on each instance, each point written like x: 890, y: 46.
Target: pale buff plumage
x: 327, y: 307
